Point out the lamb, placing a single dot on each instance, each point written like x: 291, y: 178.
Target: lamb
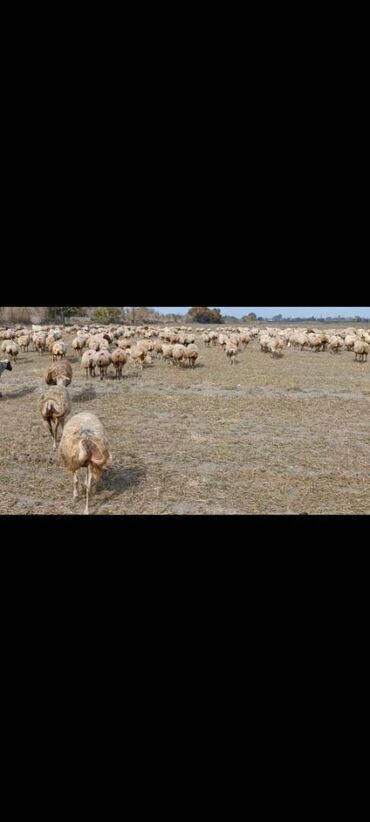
x: 361, y: 350
x: 119, y: 359
x: 84, y: 444
x: 55, y: 406
x: 59, y: 373
x: 5, y: 365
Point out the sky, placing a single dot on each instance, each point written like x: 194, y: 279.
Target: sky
x: 290, y: 311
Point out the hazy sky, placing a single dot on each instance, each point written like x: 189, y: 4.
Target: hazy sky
x: 290, y: 311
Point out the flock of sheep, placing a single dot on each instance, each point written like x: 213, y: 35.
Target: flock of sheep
x: 84, y: 443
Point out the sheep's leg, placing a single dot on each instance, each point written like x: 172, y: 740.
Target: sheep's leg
x: 88, y: 486
x: 50, y: 428
x: 75, y: 485
x: 55, y: 435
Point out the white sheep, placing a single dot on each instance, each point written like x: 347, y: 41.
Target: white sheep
x: 361, y: 350
x: 231, y: 353
x: 12, y: 350
x: 55, y: 406
x: 191, y: 354
x: 88, y: 362
x: 84, y: 444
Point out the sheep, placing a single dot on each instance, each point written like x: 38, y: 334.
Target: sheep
x: 191, y: 355
x: 265, y: 344
x: 276, y: 347
x: 88, y: 362
x: 84, y: 444
x: 119, y: 359
x: 103, y: 361
x: 349, y: 341
x: 59, y: 373
x: 59, y: 350
x: 24, y: 341
x: 5, y: 365
x: 231, y: 352
x: 361, y: 350
x: 335, y: 344
x: 12, y: 350
x: 78, y: 343
x: 55, y: 406
x: 178, y: 353
x: 167, y: 353
x: 138, y: 355
x: 40, y: 343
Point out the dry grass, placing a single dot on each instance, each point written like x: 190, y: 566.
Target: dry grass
x: 264, y: 437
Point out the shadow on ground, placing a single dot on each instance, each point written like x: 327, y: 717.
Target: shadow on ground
x: 121, y: 479
x: 22, y: 392
x: 86, y: 394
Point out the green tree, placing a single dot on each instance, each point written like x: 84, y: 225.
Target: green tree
x: 202, y: 314
x: 63, y: 311
x: 107, y: 314
x: 250, y: 318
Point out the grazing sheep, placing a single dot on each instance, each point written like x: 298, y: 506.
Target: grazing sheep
x: 119, y: 359
x: 5, y: 365
x: 84, y: 444
x: 55, y: 406
x: 361, y: 350
x: 59, y: 373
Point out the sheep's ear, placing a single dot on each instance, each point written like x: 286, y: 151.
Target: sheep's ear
x: 96, y: 454
x: 83, y: 453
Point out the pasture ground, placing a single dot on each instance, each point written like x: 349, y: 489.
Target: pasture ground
x: 264, y: 437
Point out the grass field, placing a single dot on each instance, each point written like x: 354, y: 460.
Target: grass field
x: 264, y: 437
